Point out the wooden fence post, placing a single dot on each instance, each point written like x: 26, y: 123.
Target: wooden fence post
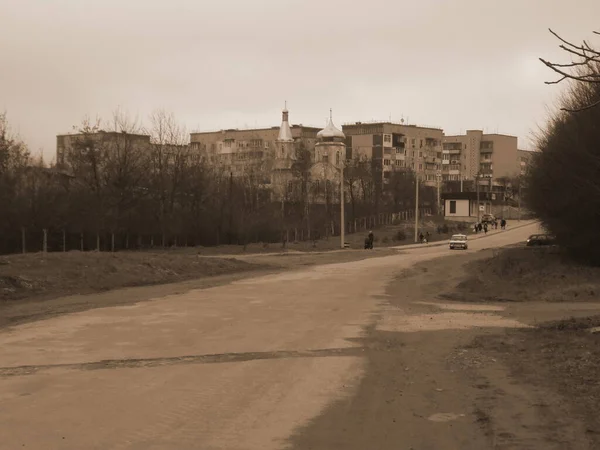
x: 97, y: 242
x: 81, y: 240
x: 112, y: 242
x: 64, y: 240
x: 23, y: 246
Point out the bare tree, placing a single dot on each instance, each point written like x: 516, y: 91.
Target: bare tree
x: 169, y: 161
x: 585, y: 69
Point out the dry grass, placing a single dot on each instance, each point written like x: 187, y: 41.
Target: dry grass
x: 529, y: 274
x: 35, y: 274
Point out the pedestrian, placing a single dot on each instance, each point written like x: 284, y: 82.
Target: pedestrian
x: 421, y: 237
x: 503, y: 224
x: 485, y: 228
x: 371, y: 239
x: 479, y: 227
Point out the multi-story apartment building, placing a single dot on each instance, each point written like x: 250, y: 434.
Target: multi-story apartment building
x: 66, y: 142
x: 393, y: 146
x: 474, y: 153
x: 240, y: 150
x: 524, y: 160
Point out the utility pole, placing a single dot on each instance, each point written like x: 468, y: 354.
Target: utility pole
x: 461, y: 182
x: 519, y: 203
x: 416, y: 207
x: 477, y: 188
x: 438, y: 176
x: 342, y: 216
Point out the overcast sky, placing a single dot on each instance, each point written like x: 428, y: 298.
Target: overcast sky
x: 454, y: 64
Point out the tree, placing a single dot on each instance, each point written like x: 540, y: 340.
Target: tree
x: 563, y: 183
x: 583, y: 70
x: 358, y: 180
x: 303, y: 162
x: 14, y: 160
x: 169, y: 160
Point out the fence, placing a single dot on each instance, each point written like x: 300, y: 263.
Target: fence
x: 53, y: 240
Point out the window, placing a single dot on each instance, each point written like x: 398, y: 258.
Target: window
x: 452, y: 206
x: 420, y: 154
x: 420, y: 166
x: 387, y: 162
x: 387, y: 138
x: 421, y: 144
x: 337, y: 158
x: 399, y: 150
x: 413, y: 142
x: 325, y: 158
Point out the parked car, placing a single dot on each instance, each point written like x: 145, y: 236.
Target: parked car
x: 458, y: 241
x: 536, y: 240
x: 488, y: 218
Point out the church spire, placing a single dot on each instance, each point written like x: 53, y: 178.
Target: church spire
x: 285, y: 132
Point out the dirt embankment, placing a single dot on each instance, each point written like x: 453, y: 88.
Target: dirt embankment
x: 55, y: 274
x: 523, y: 274
x: 561, y: 356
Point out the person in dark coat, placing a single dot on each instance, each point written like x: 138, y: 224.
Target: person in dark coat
x: 369, y: 240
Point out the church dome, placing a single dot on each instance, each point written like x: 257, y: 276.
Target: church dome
x: 331, y: 131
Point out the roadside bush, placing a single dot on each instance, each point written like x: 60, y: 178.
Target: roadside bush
x: 563, y: 183
x: 385, y: 240
x: 400, y: 235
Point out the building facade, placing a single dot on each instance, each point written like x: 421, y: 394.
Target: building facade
x: 477, y: 154
x: 65, y: 143
x: 397, y: 147
x: 243, y: 149
x: 525, y: 157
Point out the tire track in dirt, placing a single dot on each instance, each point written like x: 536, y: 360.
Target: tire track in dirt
x: 188, y: 359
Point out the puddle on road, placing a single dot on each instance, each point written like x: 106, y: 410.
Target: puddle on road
x: 400, y: 322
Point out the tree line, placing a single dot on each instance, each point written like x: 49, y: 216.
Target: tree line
x: 564, y: 179
x: 114, y: 187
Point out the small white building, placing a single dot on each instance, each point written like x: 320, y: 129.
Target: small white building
x: 463, y: 206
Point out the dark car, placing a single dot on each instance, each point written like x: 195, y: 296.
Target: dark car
x: 540, y: 239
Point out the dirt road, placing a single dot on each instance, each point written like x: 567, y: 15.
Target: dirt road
x: 349, y: 356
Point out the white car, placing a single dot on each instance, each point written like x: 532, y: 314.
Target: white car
x: 458, y: 241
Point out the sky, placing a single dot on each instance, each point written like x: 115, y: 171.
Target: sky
x: 453, y: 64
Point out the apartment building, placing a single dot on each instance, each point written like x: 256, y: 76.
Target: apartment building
x: 66, y: 142
x: 240, y: 150
x: 396, y: 146
x: 524, y: 157
x: 475, y: 153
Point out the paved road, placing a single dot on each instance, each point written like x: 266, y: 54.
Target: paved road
x: 240, y: 366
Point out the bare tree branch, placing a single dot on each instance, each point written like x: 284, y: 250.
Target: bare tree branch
x: 590, y: 106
